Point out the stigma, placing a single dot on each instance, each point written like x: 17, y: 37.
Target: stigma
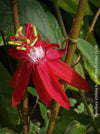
x: 36, y: 54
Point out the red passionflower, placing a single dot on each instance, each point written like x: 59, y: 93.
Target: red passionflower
x: 40, y: 59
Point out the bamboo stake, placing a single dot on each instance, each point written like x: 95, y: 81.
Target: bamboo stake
x: 15, y: 14
x: 71, y: 50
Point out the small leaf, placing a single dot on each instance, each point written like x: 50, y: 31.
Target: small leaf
x: 72, y: 102
x: 32, y: 91
x: 43, y: 111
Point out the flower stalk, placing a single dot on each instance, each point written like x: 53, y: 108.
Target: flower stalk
x: 69, y: 57
x: 24, y: 112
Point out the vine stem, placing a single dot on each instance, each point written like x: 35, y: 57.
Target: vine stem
x: 59, y: 18
x: 69, y: 57
x: 93, y: 24
x: 23, y: 113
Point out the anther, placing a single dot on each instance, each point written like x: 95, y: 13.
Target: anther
x: 28, y: 41
x: 14, y: 43
x: 19, y: 29
x: 35, y: 31
x: 21, y: 48
x: 32, y: 44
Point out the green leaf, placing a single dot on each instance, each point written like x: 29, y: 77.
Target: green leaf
x: 87, y: 50
x: 67, y: 116
x: 8, y: 115
x: 70, y: 127
x: 43, y: 111
x: 92, y: 55
x: 72, y: 5
x: 75, y: 128
x: 79, y: 130
x: 31, y: 11
x: 72, y: 102
x: 32, y: 91
x: 95, y: 3
x: 95, y: 77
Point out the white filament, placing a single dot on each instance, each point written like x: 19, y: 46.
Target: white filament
x: 36, y: 54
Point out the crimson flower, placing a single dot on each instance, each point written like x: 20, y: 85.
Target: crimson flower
x: 39, y: 59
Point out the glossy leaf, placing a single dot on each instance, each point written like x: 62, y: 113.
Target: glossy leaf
x: 71, y: 6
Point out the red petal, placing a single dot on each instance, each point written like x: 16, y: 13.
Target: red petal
x: 17, y: 54
x: 46, y: 44
x: 52, y: 85
x: 13, y: 80
x: 27, y: 31
x: 22, y: 79
x: 66, y: 73
x: 53, y: 54
x: 43, y: 94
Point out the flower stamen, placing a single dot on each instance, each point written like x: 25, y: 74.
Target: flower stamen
x: 28, y: 41
x: 14, y: 43
x: 32, y: 44
x: 21, y: 48
x: 35, y: 31
x: 19, y: 29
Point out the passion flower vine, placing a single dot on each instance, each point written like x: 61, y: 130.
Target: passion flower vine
x: 39, y: 59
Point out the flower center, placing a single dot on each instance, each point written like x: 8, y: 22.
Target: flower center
x: 36, y: 54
